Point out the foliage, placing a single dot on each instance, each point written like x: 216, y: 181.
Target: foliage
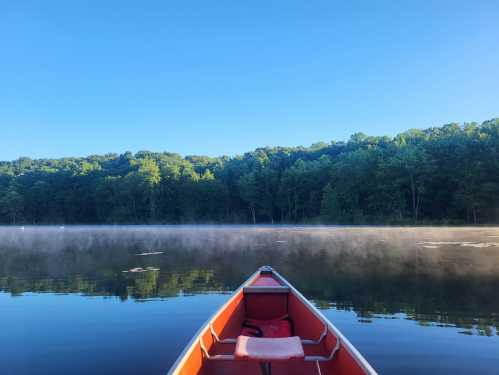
x: 445, y: 174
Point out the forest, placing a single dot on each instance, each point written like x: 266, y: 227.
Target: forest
x: 440, y: 175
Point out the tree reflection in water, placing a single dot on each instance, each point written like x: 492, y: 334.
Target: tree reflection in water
x: 376, y: 272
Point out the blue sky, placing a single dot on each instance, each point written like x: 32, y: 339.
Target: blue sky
x: 225, y: 77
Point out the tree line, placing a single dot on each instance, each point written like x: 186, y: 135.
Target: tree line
x: 439, y: 175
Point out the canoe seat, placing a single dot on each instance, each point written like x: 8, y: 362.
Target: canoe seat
x: 268, y: 349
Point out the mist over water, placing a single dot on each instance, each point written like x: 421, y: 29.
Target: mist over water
x: 446, y: 279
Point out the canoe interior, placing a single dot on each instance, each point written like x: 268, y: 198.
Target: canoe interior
x: 265, y: 306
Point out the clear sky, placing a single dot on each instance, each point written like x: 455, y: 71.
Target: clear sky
x: 224, y: 77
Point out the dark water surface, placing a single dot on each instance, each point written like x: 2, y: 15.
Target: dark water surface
x: 80, y: 300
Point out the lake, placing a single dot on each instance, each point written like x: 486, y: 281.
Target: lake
x: 127, y: 299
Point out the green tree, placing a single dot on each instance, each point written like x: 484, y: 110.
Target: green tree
x: 11, y: 205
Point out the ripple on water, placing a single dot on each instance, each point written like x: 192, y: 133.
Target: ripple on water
x: 140, y: 269
x: 150, y: 253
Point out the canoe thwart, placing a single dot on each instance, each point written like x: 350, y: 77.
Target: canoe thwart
x: 219, y: 357
x: 217, y: 339
x: 266, y: 289
x: 319, y: 340
x: 320, y: 358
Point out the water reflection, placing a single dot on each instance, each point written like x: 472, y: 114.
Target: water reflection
x: 379, y: 273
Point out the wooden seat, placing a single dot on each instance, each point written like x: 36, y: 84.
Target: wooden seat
x: 268, y: 349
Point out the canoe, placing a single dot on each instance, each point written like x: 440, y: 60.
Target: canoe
x: 268, y: 327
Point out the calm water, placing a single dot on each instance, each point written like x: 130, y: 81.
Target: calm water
x: 100, y: 300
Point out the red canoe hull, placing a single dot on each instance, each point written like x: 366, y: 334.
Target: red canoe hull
x: 268, y: 305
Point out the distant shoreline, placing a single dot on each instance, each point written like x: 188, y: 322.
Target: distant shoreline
x: 444, y: 175
x: 247, y: 226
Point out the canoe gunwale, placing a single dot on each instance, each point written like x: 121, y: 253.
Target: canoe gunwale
x: 177, y: 365
x: 345, y: 343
